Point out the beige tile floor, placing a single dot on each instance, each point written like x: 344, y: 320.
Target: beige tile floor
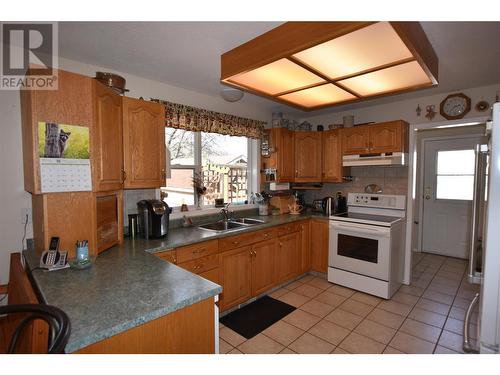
x: 425, y: 317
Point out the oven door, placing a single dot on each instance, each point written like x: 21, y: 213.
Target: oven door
x: 360, y: 248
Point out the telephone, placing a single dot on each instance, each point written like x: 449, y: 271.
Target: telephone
x: 53, y: 259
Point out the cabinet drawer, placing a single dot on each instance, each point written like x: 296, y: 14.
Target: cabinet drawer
x: 288, y: 228
x: 234, y: 242
x: 202, y: 249
x: 169, y: 256
x: 202, y: 264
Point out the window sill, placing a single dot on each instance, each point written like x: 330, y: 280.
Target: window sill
x: 211, y: 210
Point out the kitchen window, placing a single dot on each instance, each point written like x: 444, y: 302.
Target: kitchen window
x: 455, y: 174
x: 224, y: 162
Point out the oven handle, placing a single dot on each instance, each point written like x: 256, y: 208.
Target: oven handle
x: 360, y: 228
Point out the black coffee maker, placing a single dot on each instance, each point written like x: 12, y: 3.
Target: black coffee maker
x: 153, y: 218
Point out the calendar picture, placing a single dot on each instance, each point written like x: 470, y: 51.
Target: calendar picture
x: 64, y: 157
x: 63, y: 141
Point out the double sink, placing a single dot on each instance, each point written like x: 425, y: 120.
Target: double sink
x: 230, y: 225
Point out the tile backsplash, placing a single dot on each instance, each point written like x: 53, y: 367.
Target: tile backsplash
x: 130, y: 199
x: 392, y: 180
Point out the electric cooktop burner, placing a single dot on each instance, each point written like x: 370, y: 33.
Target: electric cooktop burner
x: 366, y: 218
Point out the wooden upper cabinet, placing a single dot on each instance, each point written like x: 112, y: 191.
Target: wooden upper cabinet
x: 281, y: 141
x: 389, y: 137
x: 308, y: 156
x: 383, y: 137
x: 108, y: 139
x: 286, y: 151
x: 70, y: 104
x: 143, y: 144
x: 356, y: 140
x: 332, y: 156
x: 263, y: 266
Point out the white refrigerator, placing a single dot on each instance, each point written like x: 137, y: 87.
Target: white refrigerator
x: 484, y: 260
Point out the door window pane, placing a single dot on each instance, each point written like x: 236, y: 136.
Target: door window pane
x: 224, y: 166
x: 179, y: 188
x: 180, y: 143
x: 457, y: 162
x: 455, y: 174
x: 455, y: 187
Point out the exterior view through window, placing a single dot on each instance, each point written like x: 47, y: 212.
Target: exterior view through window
x: 220, y: 160
x: 455, y: 174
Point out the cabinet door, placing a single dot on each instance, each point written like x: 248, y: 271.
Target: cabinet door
x: 285, y: 150
x: 305, y: 247
x: 288, y: 256
x: 307, y: 156
x: 143, y: 144
x: 387, y: 137
x: 356, y: 140
x: 108, y: 139
x: 236, y: 276
x: 332, y: 156
x: 212, y: 275
x: 263, y: 266
x: 319, y: 245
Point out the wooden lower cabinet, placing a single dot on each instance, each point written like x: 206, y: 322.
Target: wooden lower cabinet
x: 319, y: 245
x: 305, y: 247
x: 288, y: 256
x: 190, y: 330
x: 263, y: 266
x: 236, y: 275
x: 212, y: 275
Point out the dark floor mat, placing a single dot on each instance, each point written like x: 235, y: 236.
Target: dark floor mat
x: 256, y: 316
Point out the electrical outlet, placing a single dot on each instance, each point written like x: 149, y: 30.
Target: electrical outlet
x: 26, y: 211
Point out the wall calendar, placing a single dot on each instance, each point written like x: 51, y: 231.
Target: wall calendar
x: 64, y: 158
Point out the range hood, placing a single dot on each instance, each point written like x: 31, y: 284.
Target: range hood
x: 390, y: 158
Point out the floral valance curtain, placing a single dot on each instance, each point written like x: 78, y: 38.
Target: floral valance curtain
x: 184, y: 117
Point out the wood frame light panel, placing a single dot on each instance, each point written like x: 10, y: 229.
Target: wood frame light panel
x: 312, y: 65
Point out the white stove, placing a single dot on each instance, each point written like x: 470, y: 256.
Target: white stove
x: 366, y: 248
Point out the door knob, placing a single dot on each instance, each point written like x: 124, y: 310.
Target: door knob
x: 427, y: 193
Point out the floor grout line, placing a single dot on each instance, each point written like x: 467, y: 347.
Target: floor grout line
x: 428, y: 269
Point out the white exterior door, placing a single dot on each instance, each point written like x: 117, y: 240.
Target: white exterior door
x: 447, y: 195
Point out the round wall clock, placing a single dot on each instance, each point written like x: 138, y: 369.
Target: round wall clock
x: 455, y: 106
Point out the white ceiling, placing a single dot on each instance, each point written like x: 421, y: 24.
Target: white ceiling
x: 187, y: 54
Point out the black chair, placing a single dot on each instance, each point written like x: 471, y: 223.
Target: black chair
x: 58, y: 321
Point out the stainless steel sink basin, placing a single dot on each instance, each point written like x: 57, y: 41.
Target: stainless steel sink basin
x: 233, y: 224
x: 248, y: 221
x: 222, y: 226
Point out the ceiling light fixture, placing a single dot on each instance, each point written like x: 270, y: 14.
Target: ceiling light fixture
x: 311, y: 65
x: 231, y: 95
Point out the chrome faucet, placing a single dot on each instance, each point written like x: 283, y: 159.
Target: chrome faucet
x: 225, y: 212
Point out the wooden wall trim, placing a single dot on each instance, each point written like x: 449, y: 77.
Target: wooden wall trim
x: 282, y: 41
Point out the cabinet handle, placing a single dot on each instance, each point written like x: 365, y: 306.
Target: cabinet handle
x: 124, y: 175
x: 255, y: 253
x: 175, y: 260
x: 296, y: 173
x: 198, y: 251
x: 163, y: 174
x: 281, y: 244
x: 251, y: 253
x: 266, y: 234
x: 235, y: 242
